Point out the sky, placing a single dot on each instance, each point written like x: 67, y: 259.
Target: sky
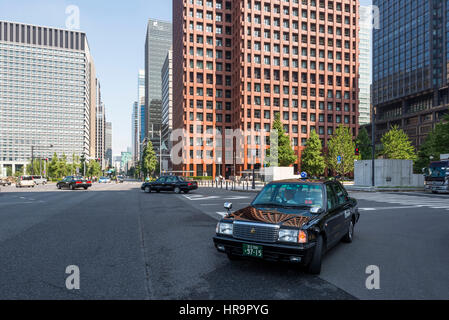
x: 116, y: 33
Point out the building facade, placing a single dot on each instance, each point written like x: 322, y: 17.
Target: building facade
x: 108, y: 144
x: 135, y: 129
x: 100, y: 128
x: 239, y: 64
x: 365, y: 65
x: 167, y: 110
x: 158, y: 42
x: 47, y: 94
x: 410, y: 66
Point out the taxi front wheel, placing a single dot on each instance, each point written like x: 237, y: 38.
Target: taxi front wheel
x: 314, y: 266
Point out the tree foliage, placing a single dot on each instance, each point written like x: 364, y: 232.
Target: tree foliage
x: 436, y: 143
x: 364, y: 143
x: 94, y: 169
x: 284, y: 150
x: 149, y: 160
x: 397, y: 145
x: 312, y: 158
x: 341, y: 144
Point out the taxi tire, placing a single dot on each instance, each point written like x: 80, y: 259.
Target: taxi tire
x: 349, y: 237
x: 178, y: 190
x: 147, y: 189
x: 314, y: 266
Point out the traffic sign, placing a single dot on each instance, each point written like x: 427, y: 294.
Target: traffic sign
x: 304, y: 175
x: 339, y: 159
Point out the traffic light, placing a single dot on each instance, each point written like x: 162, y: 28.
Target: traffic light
x: 357, y: 150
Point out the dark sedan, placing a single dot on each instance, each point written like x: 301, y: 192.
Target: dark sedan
x: 170, y: 183
x: 74, y: 183
x: 293, y: 220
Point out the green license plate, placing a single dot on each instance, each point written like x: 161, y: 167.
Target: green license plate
x: 252, y: 251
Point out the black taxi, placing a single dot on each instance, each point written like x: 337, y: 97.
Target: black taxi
x: 292, y: 220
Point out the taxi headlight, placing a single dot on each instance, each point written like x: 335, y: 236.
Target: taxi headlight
x: 293, y: 236
x: 225, y: 228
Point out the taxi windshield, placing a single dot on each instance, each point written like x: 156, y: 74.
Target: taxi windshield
x: 291, y: 195
x: 438, y: 170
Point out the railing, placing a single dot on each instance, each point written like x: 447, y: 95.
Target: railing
x: 231, y: 185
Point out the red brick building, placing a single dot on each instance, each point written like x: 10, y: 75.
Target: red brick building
x: 236, y: 64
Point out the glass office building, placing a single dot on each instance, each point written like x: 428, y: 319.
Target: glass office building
x: 45, y: 93
x: 410, y: 73
x: 365, y: 66
x: 158, y: 42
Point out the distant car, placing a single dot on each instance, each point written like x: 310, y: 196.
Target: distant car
x: 5, y: 182
x: 104, y: 180
x: 74, y: 183
x: 294, y: 221
x: 25, y: 182
x: 120, y: 179
x: 39, y: 180
x: 170, y: 183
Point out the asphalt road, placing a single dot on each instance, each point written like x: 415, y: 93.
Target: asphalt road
x: 132, y: 245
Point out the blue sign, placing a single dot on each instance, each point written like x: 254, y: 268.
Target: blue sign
x: 339, y: 159
x: 304, y: 175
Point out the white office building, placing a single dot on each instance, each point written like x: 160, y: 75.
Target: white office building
x: 46, y: 96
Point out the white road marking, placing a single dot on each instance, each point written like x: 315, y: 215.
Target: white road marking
x: 222, y: 214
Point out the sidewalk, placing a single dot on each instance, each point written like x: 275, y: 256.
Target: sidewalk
x: 384, y: 189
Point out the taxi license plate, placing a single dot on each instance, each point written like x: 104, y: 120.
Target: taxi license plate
x: 252, y: 251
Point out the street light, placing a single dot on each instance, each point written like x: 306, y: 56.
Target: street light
x: 32, y: 154
x: 254, y: 169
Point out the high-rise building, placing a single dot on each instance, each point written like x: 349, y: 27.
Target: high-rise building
x: 410, y: 66
x: 239, y: 64
x: 108, y: 144
x: 47, y: 93
x: 100, y: 128
x: 158, y: 42
x: 365, y: 65
x: 135, y: 127
x: 167, y: 109
x: 141, y: 101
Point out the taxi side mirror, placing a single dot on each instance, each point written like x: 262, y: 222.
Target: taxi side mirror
x: 228, y: 206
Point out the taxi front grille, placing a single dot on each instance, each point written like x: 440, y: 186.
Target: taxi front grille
x: 256, y: 232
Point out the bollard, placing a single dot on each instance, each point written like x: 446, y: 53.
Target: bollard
x: 226, y: 185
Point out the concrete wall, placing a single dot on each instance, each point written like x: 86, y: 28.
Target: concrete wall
x: 388, y: 173
x: 279, y: 173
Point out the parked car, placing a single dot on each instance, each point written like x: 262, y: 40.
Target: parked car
x: 104, y: 180
x: 25, y: 182
x: 39, y: 180
x: 120, y: 179
x: 5, y: 182
x: 170, y: 183
x: 295, y: 221
x: 74, y: 183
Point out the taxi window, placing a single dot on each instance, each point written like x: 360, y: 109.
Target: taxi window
x: 296, y: 195
x: 340, y: 193
x: 331, y: 198
x: 171, y: 179
x: 161, y: 180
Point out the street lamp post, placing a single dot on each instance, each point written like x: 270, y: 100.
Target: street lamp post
x: 373, y: 143
x: 254, y: 169
x: 32, y: 155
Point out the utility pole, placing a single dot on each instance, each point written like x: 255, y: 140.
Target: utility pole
x: 373, y: 145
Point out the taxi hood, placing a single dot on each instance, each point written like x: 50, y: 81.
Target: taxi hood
x: 278, y: 216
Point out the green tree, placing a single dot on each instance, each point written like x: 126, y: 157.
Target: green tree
x: 94, y: 169
x: 436, y: 143
x: 149, y: 160
x: 286, y: 154
x: 312, y: 158
x: 397, y: 145
x: 53, y: 167
x: 364, y: 143
x: 341, y: 144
